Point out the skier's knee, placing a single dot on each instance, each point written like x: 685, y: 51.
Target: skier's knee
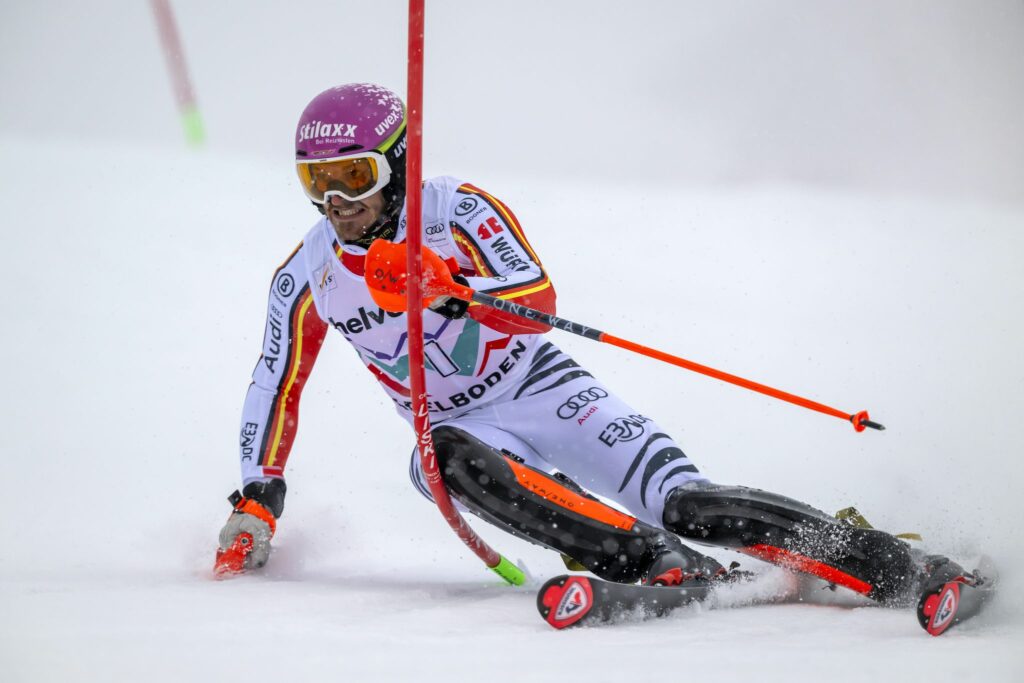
x: 549, y: 510
x: 471, y: 469
x: 455, y: 449
x: 459, y: 451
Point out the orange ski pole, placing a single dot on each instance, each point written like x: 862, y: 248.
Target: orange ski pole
x: 387, y: 286
x: 859, y: 420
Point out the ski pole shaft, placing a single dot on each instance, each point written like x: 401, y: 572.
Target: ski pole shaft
x: 388, y: 286
x: 859, y: 420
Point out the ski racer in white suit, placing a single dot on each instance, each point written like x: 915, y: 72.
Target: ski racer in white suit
x: 504, y: 400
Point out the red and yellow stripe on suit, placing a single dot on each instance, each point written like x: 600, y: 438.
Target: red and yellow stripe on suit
x: 307, y: 332
x: 536, y: 292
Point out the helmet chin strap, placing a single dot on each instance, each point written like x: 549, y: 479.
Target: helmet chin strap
x: 383, y: 228
x: 386, y: 226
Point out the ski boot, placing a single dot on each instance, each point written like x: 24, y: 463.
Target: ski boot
x: 796, y: 536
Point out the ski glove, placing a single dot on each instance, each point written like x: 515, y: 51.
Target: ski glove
x: 449, y: 306
x: 245, y: 538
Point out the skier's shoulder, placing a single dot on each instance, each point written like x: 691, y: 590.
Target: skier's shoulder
x: 319, y: 239
x: 437, y: 212
x: 456, y: 196
x: 442, y: 184
x: 438, y: 195
x: 295, y: 271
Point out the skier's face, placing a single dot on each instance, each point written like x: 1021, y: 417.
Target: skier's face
x: 351, y: 219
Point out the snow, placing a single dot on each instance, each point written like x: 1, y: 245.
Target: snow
x: 135, y: 276
x: 136, y: 317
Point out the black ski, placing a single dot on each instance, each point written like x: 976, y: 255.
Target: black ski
x: 572, y: 600
x: 952, y: 596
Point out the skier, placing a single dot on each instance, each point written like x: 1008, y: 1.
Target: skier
x: 523, y: 433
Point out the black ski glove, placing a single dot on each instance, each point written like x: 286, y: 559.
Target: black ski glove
x: 449, y: 306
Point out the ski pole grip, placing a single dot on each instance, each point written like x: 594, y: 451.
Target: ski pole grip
x: 860, y: 421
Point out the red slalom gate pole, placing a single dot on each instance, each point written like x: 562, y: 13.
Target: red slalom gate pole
x: 414, y: 267
x: 175, y: 58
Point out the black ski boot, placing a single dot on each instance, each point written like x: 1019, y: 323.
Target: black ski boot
x: 672, y: 563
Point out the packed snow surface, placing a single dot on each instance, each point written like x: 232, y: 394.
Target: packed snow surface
x: 133, y: 316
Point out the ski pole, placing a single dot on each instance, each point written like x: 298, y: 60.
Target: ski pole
x: 388, y: 289
x: 859, y: 420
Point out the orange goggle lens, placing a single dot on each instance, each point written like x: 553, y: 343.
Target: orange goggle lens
x: 353, y: 178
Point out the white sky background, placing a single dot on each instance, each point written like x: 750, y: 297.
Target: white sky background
x: 822, y: 196
x: 909, y: 96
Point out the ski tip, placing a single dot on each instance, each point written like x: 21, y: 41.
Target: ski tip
x: 937, y: 610
x: 564, y: 600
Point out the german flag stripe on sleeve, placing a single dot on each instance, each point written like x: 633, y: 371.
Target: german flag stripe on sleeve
x: 506, y: 213
x: 534, y: 285
x: 470, y: 249
x: 525, y: 289
x: 307, y: 333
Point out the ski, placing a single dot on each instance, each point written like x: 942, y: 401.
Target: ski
x: 952, y: 596
x: 574, y: 600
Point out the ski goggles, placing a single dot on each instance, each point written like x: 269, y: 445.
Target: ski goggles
x: 353, y: 177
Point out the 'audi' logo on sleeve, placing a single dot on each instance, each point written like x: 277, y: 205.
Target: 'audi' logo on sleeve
x: 571, y: 407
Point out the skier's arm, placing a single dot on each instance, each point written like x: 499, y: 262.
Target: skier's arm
x: 270, y: 418
x: 292, y: 340
x: 498, y: 260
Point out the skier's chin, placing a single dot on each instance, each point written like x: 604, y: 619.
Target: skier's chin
x: 349, y: 230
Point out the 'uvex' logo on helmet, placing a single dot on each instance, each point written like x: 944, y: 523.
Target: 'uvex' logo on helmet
x: 319, y: 129
x: 391, y: 119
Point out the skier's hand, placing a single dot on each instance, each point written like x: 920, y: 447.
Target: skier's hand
x: 449, y: 306
x: 245, y: 537
x: 386, y: 276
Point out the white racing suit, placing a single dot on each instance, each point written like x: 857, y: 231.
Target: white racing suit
x: 489, y: 373
x: 495, y: 382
